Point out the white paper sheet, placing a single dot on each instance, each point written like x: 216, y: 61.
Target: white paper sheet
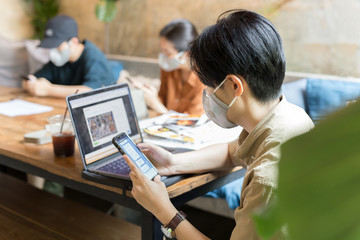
x: 206, y: 135
x: 20, y: 107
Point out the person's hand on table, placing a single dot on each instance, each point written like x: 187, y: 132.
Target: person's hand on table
x: 36, y: 86
x: 149, y: 91
x: 152, y: 195
x: 161, y: 158
x: 150, y: 94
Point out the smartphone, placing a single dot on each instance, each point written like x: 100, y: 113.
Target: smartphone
x: 24, y: 77
x: 126, y: 146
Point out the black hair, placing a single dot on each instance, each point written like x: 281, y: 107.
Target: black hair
x: 179, y: 32
x: 245, y: 44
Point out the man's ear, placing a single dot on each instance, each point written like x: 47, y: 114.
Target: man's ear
x: 237, y: 84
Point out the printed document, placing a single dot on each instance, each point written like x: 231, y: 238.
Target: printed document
x: 20, y: 107
x: 191, y: 138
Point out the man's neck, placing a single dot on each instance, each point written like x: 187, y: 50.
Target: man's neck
x: 77, y: 51
x: 256, y: 112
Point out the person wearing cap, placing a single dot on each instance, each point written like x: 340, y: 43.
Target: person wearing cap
x: 73, y: 65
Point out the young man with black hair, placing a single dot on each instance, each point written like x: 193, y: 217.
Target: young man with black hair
x: 73, y: 65
x: 241, y: 61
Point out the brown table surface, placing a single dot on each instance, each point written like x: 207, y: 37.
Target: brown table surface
x: 12, y: 130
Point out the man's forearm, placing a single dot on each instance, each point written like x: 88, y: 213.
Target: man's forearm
x: 215, y: 157
x: 62, y: 91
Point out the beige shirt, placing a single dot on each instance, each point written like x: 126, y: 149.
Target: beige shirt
x: 259, y: 152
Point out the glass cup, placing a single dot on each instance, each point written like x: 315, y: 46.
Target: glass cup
x: 63, y: 142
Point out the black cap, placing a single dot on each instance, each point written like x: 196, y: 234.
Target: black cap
x: 59, y: 29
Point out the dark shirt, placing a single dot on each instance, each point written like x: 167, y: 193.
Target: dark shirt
x: 91, y: 69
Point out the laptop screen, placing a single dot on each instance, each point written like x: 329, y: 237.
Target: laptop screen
x: 98, y: 116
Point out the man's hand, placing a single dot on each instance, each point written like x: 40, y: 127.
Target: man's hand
x: 37, y: 86
x: 152, y: 195
x: 161, y: 158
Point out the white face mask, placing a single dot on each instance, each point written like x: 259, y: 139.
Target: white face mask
x: 59, y: 58
x: 216, y: 110
x: 170, y: 64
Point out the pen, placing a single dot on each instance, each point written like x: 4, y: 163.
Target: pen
x: 130, y: 80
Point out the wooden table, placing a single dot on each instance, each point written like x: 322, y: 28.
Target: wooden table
x: 40, y: 160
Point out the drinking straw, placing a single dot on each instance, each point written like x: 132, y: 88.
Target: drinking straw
x: 62, y: 124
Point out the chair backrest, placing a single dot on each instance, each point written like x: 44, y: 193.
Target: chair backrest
x: 320, y: 96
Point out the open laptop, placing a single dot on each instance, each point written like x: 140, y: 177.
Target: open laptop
x: 98, y: 116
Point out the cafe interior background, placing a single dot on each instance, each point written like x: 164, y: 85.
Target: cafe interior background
x: 319, y: 36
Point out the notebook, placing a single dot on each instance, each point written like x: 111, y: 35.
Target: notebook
x: 97, y: 116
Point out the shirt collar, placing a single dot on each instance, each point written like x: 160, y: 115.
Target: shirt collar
x: 249, y: 143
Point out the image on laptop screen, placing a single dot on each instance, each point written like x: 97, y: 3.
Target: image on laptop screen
x: 98, y: 116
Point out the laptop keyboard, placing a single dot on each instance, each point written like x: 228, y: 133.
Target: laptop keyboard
x: 116, y: 166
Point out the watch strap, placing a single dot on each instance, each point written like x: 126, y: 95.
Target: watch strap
x: 179, y: 217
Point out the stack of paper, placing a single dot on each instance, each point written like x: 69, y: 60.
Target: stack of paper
x: 20, y: 107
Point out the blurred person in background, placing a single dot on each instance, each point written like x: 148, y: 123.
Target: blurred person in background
x: 73, y: 65
x: 180, y: 88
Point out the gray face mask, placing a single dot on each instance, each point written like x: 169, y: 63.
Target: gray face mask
x: 216, y: 110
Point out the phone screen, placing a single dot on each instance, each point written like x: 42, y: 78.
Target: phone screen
x: 126, y: 146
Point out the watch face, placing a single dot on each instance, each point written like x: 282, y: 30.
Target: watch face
x: 166, y: 231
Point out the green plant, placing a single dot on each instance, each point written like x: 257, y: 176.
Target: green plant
x: 319, y: 179
x: 105, y: 11
x: 42, y: 11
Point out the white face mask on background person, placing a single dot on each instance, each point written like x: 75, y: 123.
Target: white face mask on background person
x: 170, y: 64
x: 216, y: 110
x: 59, y: 58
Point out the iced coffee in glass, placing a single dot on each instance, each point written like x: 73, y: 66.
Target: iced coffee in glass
x: 63, y: 139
